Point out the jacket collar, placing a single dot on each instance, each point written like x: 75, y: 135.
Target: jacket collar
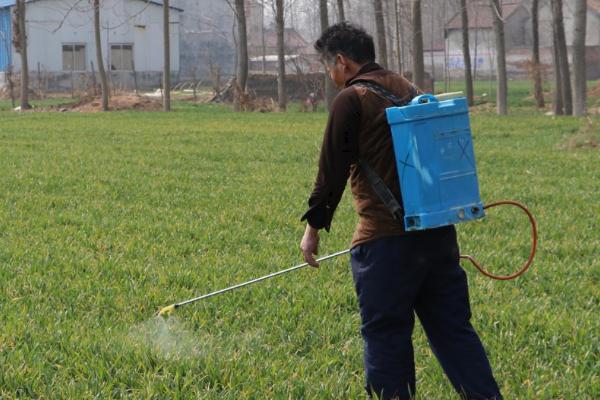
x: 369, y: 67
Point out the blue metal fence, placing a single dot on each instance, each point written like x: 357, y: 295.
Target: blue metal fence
x: 5, y: 39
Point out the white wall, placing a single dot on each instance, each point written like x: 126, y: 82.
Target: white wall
x: 482, y: 47
x: 122, y: 21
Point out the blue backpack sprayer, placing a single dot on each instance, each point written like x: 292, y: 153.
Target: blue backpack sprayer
x: 436, y: 170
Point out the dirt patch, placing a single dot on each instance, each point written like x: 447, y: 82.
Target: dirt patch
x: 115, y: 103
x: 586, y: 138
x: 595, y: 91
x: 483, y: 107
x: 547, y: 97
x: 594, y: 110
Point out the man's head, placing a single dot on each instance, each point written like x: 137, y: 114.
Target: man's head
x: 344, y: 48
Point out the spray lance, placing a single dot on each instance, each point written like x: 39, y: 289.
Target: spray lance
x: 438, y: 180
x: 165, y: 311
x: 169, y: 309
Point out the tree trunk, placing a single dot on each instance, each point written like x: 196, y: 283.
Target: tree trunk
x: 537, y: 72
x: 262, y: 42
x: 166, y: 58
x: 444, y: 19
x: 341, y: 12
x: 398, y: 36
x: 279, y: 22
x: 476, y: 47
x: 242, y: 54
x: 328, y: 84
x: 381, y: 42
x: 579, y: 57
x: 431, y: 52
x: 11, y: 85
x: 563, y: 56
x: 418, y: 62
x: 466, y: 50
x: 502, y: 86
x: 99, y: 60
x: 23, y: 51
x: 557, y: 106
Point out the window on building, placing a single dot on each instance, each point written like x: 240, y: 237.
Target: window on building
x: 73, y: 57
x: 121, y: 57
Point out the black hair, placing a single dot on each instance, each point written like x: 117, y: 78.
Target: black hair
x: 347, y: 39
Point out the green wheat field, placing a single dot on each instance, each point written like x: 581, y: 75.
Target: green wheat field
x: 105, y: 218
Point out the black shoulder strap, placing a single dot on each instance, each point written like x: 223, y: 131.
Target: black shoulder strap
x: 386, y: 94
x: 381, y: 189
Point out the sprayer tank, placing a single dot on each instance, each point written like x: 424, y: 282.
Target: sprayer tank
x: 435, y: 162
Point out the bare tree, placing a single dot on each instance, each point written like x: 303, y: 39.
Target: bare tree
x: 417, y: 39
x: 20, y: 37
x: 166, y: 58
x: 557, y: 106
x: 502, y: 85
x: 476, y: 44
x: 341, y: 11
x: 324, y: 17
x: 242, y: 53
x: 262, y: 41
x: 398, y: 36
x: 563, y: 57
x: 11, y: 85
x: 535, y: 62
x: 466, y: 50
x: 99, y: 60
x: 432, y: 47
x: 389, y: 32
x: 380, y: 25
x: 579, y: 57
x: 279, y: 23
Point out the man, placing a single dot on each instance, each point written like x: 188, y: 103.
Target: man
x: 396, y: 273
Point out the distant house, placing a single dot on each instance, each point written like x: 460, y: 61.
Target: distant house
x: 206, y: 38
x: 300, y: 56
x: 518, y: 37
x: 62, y: 48
x: 209, y: 36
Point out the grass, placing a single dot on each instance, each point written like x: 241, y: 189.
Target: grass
x: 106, y: 217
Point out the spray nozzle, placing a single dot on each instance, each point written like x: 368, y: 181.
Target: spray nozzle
x: 166, y: 311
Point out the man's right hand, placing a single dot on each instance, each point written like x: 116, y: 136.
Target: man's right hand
x: 310, y: 245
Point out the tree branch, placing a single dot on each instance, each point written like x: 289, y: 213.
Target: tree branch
x: 62, y: 22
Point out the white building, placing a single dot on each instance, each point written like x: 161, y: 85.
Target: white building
x: 61, y: 44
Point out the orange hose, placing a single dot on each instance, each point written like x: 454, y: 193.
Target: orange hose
x: 527, y: 264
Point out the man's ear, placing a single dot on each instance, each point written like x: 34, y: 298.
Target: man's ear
x: 341, y: 59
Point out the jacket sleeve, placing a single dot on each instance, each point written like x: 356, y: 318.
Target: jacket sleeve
x: 338, y: 152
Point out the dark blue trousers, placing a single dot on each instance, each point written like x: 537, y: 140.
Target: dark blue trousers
x: 398, y: 276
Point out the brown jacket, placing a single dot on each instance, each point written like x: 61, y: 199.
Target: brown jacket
x: 357, y: 129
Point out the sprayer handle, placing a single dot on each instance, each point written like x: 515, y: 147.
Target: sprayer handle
x: 424, y: 99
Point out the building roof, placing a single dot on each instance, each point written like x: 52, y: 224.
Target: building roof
x: 439, y: 44
x: 10, y: 3
x: 291, y: 37
x: 293, y: 43
x: 481, y: 15
x: 594, y: 5
x: 274, y: 58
